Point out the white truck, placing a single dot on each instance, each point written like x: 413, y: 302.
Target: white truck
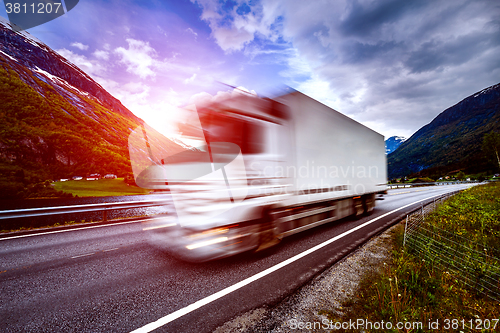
x: 254, y: 170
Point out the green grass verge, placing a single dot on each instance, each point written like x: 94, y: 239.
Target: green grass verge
x: 414, y: 289
x: 99, y: 188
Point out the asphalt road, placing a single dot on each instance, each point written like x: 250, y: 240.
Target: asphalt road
x: 109, y: 279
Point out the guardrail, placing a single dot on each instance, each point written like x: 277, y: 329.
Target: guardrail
x: 403, y: 185
x: 104, y: 207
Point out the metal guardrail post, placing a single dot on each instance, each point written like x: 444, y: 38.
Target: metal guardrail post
x: 406, y: 227
x: 423, y: 215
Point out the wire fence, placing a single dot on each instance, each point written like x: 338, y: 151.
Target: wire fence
x: 473, y: 264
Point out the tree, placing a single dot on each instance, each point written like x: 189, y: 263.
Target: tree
x: 491, y: 145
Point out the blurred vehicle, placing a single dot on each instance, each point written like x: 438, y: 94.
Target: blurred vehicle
x: 254, y: 170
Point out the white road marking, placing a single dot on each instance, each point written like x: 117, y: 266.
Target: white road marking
x: 83, y: 255
x: 400, y: 193
x: 209, y: 299
x: 116, y: 248
x: 160, y: 226
x: 75, y: 229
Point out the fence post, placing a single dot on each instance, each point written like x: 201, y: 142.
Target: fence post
x: 406, y: 226
x: 104, y: 215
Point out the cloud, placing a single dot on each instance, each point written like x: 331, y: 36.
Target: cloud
x: 392, y: 64
x: 138, y: 57
x: 191, y: 79
x: 80, y: 46
x: 231, y: 39
x: 388, y: 63
x: 370, y: 18
x: 110, y: 85
x: 234, y: 24
x: 134, y: 93
x: 297, y: 68
x: 204, y: 98
x: 192, y: 32
x: 92, y: 67
x: 435, y: 54
x: 201, y: 98
x: 101, y: 54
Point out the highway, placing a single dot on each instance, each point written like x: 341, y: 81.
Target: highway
x: 108, y: 278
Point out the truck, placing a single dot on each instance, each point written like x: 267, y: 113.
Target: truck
x: 246, y: 171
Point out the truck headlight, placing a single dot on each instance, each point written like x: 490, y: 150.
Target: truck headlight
x: 206, y: 243
x: 208, y: 233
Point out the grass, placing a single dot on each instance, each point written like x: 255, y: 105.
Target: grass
x: 99, y: 188
x: 415, y: 288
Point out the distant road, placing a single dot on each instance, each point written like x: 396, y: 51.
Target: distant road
x: 109, y: 279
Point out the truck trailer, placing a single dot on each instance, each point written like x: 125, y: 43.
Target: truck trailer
x: 248, y: 171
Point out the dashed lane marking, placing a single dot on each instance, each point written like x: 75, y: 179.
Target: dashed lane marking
x: 83, y: 255
x: 400, y: 193
x: 116, y: 248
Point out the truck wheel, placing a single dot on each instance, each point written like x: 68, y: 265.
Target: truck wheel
x: 369, y: 203
x: 269, y: 232
x: 358, y: 207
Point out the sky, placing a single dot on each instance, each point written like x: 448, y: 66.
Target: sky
x: 392, y: 65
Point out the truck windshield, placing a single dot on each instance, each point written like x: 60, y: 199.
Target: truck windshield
x: 223, y: 127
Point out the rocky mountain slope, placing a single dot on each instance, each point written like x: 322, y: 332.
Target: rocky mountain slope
x: 452, y: 140
x: 56, y: 121
x: 393, y: 143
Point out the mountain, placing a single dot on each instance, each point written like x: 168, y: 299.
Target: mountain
x: 56, y: 121
x: 452, y: 140
x: 393, y: 143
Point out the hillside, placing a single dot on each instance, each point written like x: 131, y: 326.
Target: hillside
x: 452, y: 140
x: 56, y: 121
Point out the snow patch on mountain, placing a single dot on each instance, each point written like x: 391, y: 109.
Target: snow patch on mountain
x: 11, y: 58
x: 58, y: 80
x: 393, y: 143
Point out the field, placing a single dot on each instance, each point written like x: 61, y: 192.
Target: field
x: 99, y: 188
x: 422, y: 286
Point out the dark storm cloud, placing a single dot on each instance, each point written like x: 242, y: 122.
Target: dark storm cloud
x: 393, y: 64
x: 396, y: 60
x: 374, y: 32
x: 435, y: 55
x: 364, y: 20
x: 357, y: 52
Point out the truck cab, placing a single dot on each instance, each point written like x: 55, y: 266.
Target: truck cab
x: 222, y: 186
